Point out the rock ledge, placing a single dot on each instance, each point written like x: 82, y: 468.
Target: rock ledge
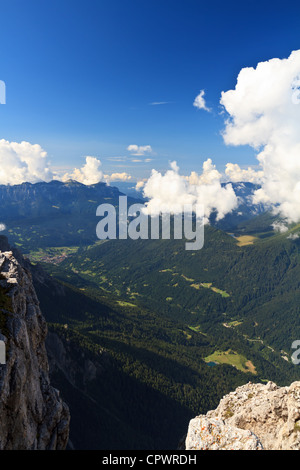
x: 253, y: 417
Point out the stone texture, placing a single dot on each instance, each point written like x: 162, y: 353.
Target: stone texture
x: 268, y: 413
x: 214, y: 434
x: 32, y: 413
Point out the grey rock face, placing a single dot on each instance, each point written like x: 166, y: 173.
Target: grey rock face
x: 215, y: 434
x: 32, y: 414
x: 78, y: 370
x: 270, y: 415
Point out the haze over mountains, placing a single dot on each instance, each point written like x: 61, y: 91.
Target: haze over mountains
x: 54, y: 213
x: 59, y: 214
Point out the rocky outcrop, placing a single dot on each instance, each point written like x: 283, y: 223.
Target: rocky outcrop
x: 215, y: 434
x: 32, y: 413
x: 253, y: 417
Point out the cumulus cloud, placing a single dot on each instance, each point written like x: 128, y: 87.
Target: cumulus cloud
x: 171, y: 191
x: 264, y: 112
x: 208, y: 176
x: 91, y: 173
x: 236, y: 174
x: 25, y: 162
x: 139, y: 150
x: 88, y: 174
x: 118, y: 177
x: 139, y: 185
x: 20, y: 162
x: 200, y: 103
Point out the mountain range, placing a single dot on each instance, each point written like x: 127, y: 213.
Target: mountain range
x: 64, y: 214
x: 140, y: 330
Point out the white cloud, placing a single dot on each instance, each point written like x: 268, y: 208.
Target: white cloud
x: 117, y: 159
x: 139, y: 150
x: 117, y: 177
x: 140, y: 160
x: 2, y: 227
x: 293, y: 236
x: 236, y: 174
x: 200, y: 103
x: 139, y: 185
x: 20, y: 162
x: 88, y: 174
x: 264, y: 112
x: 209, y: 175
x: 159, y: 103
x: 279, y: 227
x: 171, y: 191
x: 25, y: 162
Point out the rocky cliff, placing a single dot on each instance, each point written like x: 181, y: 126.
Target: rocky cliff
x: 32, y: 414
x: 253, y: 417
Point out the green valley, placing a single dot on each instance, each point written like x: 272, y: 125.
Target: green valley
x: 147, y: 318
x: 182, y: 327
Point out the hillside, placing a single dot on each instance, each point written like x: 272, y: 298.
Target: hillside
x: 181, y: 328
x: 124, y: 369
x: 222, y: 283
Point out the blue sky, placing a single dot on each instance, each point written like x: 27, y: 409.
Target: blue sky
x: 81, y: 75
